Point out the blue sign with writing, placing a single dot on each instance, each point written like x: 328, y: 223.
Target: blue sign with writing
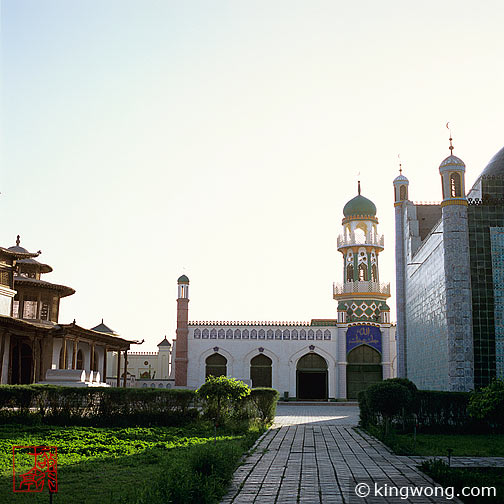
x: 363, y: 334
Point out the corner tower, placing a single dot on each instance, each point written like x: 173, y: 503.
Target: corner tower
x: 457, y: 274
x: 361, y: 297
x: 182, y: 332
x: 401, y: 186
x: 365, y: 353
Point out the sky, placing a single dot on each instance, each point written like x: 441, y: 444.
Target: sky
x: 142, y: 140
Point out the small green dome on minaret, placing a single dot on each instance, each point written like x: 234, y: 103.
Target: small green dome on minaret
x: 359, y: 206
x: 183, y: 279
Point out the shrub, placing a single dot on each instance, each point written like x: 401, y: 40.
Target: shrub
x: 388, y: 399
x: 221, y: 397
x: 487, y: 404
x: 265, y: 402
x: 366, y: 415
x: 405, y: 382
x: 96, y: 406
x: 439, y: 412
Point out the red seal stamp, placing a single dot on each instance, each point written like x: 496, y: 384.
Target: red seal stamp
x: 42, y: 465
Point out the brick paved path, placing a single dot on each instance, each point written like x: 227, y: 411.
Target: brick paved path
x: 313, y: 455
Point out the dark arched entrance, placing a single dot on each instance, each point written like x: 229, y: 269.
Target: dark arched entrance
x: 22, y: 363
x: 311, y: 377
x: 363, y: 369
x: 215, y: 365
x: 260, y: 371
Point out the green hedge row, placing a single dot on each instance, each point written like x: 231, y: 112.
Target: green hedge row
x: 444, y: 411
x: 96, y: 405
x: 108, y: 406
x: 432, y: 411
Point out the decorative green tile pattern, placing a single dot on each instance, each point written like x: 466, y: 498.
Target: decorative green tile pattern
x: 480, y: 219
x: 497, y: 241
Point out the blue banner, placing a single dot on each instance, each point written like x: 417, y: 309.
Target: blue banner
x: 363, y: 334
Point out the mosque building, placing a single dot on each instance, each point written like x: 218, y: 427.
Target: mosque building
x: 324, y: 359
x: 450, y: 280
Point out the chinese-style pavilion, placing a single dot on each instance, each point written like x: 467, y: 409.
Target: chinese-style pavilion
x: 32, y: 340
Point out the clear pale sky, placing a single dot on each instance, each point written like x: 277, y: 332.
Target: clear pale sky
x: 146, y: 139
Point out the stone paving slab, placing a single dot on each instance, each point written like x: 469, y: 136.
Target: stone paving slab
x: 313, y: 455
x: 464, y: 461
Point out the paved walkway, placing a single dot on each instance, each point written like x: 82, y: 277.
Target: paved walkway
x: 313, y: 455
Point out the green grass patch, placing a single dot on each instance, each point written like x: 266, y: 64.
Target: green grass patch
x: 111, y: 464
x: 472, y: 479
x: 463, y: 445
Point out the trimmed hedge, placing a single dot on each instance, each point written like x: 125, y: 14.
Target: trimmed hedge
x: 110, y: 406
x: 436, y: 411
x: 265, y: 402
x: 444, y: 412
x: 96, y: 405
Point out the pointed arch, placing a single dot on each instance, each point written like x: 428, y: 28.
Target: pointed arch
x: 455, y: 185
x: 261, y: 371
x: 215, y: 365
x: 350, y: 273
x: 363, y: 272
x: 403, y: 195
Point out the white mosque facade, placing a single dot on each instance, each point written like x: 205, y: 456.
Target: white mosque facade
x: 324, y: 359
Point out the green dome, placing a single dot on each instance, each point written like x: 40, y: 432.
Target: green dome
x: 359, y: 206
x: 183, y: 279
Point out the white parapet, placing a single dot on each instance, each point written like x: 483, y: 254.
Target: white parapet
x: 361, y: 287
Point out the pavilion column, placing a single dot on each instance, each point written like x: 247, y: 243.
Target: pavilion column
x: 11, y: 355
x: 118, y: 384
x: 125, y: 367
x: 36, y: 359
x: 64, y: 353
x: 2, y: 351
x: 92, y: 357
x: 104, y: 378
x: 74, y: 356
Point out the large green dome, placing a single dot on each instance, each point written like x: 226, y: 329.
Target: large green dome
x: 359, y: 206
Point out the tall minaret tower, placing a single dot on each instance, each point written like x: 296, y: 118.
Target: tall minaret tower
x: 361, y: 297
x: 457, y: 274
x: 401, y: 184
x: 182, y: 332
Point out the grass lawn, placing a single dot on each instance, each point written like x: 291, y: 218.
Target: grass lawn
x: 488, y: 481
x: 475, y: 445
x: 103, y: 464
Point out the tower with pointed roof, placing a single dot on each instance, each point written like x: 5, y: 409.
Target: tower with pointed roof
x: 450, y: 285
x: 182, y: 331
x: 363, y: 314
x: 361, y: 297
x: 401, y: 184
x: 36, y: 299
x: 458, y: 277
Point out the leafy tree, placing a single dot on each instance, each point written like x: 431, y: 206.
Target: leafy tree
x: 220, y: 394
x: 487, y: 404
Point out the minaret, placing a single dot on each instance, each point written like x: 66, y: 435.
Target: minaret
x: 457, y: 274
x: 182, y: 332
x: 401, y: 184
x: 361, y: 297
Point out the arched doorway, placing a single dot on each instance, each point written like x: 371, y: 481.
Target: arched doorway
x: 363, y: 369
x: 260, y: 371
x: 311, y: 377
x: 22, y: 364
x: 215, y: 365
